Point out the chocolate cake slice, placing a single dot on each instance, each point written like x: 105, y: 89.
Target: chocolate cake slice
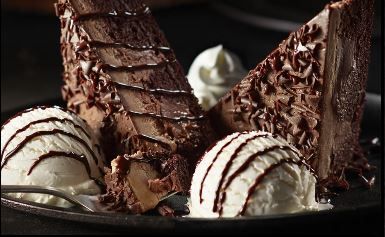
x: 310, y: 90
x: 122, y: 77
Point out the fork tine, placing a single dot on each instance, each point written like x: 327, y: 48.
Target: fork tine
x: 78, y: 200
x: 168, y: 195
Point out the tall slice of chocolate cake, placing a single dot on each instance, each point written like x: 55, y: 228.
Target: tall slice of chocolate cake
x: 122, y: 77
x: 310, y: 90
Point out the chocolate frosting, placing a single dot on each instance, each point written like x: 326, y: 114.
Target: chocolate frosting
x: 282, y: 94
x: 123, y: 78
x: 310, y: 90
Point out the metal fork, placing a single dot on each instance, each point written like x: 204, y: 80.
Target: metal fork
x: 87, y: 202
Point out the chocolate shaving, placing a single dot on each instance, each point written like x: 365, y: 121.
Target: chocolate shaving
x: 296, y: 71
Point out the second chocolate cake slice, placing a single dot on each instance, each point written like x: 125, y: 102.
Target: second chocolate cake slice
x: 122, y: 77
x: 310, y: 90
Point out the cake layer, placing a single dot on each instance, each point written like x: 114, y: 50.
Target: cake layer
x: 310, y: 90
x: 136, y: 187
x: 123, y: 78
x: 117, y: 59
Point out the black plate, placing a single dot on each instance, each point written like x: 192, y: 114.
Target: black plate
x: 355, y: 211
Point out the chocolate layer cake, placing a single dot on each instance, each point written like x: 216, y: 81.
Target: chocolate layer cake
x: 122, y: 77
x: 310, y: 90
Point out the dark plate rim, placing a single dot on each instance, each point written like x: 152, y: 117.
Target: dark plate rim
x: 119, y: 219
x: 127, y: 221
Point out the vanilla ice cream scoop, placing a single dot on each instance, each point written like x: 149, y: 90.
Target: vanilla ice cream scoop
x: 252, y: 173
x: 49, y: 146
x: 213, y: 73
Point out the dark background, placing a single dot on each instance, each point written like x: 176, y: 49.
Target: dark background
x: 31, y: 62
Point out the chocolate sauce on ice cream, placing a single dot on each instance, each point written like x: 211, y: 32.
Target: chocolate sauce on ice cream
x: 252, y: 173
x: 49, y: 146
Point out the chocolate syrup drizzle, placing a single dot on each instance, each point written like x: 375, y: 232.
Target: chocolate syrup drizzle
x: 88, y: 44
x: 130, y: 68
x: 31, y: 109
x: 99, y: 44
x: 212, y: 163
x: 260, y: 178
x: 47, y: 120
x: 221, y: 191
x: 82, y: 158
x: 42, y: 133
x: 71, y: 155
x: 154, y: 115
x: 153, y: 90
x: 114, y: 13
x: 230, y: 162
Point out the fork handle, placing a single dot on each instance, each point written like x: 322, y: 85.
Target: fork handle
x: 42, y: 190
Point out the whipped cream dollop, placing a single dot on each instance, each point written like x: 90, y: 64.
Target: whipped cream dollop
x: 213, y: 73
x: 252, y: 173
x: 48, y: 146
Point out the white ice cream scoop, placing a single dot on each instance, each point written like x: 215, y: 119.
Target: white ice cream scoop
x: 213, y: 73
x: 252, y: 173
x: 48, y: 146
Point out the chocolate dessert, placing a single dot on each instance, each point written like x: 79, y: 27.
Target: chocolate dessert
x: 310, y: 90
x: 122, y: 77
